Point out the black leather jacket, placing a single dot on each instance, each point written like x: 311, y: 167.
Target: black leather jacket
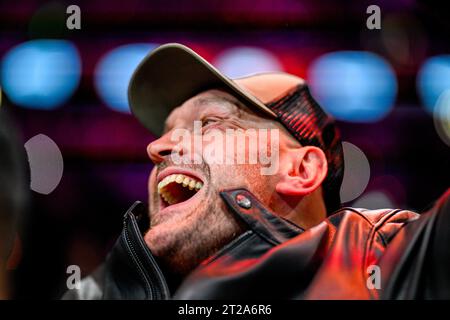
x: 276, y: 259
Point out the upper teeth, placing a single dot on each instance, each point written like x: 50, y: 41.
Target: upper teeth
x: 185, y: 181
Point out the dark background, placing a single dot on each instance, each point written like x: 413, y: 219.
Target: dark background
x: 105, y: 162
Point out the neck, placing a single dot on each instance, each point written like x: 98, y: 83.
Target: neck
x: 305, y: 212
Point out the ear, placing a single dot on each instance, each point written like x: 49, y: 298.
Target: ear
x: 303, y: 170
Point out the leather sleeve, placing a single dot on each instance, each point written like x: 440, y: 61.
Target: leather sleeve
x: 416, y: 265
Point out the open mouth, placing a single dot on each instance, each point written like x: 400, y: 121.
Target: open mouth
x: 177, y: 188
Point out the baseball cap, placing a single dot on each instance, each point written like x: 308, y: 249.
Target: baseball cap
x: 173, y: 73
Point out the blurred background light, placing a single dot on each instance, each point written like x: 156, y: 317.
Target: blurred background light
x: 41, y: 74
x: 353, y: 86
x: 356, y: 172
x: 114, y: 71
x: 441, y: 116
x: 243, y: 61
x: 433, y: 79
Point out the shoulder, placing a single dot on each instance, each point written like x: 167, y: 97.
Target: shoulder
x: 385, y: 222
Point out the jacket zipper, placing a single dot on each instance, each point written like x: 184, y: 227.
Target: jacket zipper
x: 160, y: 291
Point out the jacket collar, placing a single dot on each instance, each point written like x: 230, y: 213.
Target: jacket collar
x: 258, y: 218
x: 132, y: 272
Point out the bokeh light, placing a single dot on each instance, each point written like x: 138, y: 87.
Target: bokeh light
x: 433, y: 79
x: 114, y: 71
x: 239, y: 62
x: 356, y: 173
x: 46, y: 163
x: 354, y: 86
x: 41, y: 74
x: 441, y: 117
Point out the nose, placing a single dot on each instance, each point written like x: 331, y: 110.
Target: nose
x: 162, y: 147
x: 158, y: 149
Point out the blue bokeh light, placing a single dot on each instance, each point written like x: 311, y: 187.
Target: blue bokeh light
x: 353, y: 86
x: 41, y: 74
x: 433, y: 80
x: 114, y: 71
x: 239, y: 62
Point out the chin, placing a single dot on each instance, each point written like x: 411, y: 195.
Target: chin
x: 158, y: 239
x: 176, y: 253
x: 168, y: 233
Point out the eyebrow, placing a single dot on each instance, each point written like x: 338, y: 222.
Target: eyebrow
x: 217, y: 99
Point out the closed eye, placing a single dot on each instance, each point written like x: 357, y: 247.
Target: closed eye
x: 208, y: 121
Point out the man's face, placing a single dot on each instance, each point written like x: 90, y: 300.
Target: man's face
x: 189, y: 220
